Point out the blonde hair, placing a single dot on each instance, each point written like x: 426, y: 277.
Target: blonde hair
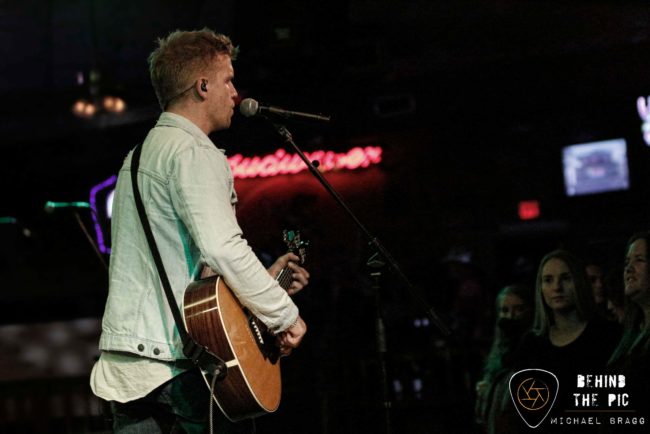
x: 182, y: 55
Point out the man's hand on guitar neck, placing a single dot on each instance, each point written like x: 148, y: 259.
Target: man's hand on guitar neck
x: 291, y: 337
x: 299, y: 274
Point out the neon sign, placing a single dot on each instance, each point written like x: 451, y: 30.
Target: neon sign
x: 278, y: 163
x: 281, y: 163
x: 106, y: 184
x: 642, y: 106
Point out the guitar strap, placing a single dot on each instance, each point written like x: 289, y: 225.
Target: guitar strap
x: 198, y: 354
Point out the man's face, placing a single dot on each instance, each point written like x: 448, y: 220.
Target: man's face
x: 221, y: 93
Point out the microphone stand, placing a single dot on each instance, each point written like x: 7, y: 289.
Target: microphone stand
x: 50, y: 206
x: 92, y: 242
x: 377, y: 262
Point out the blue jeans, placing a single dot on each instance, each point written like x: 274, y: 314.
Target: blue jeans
x: 179, y: 406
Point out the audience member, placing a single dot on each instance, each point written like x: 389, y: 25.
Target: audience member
x: 632, y: 356
x: 568, y: 337
x: 514, y: 309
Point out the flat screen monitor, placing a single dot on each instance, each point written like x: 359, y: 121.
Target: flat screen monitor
x: 595, y: 167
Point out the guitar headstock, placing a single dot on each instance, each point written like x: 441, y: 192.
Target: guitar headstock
x: 295, y: 244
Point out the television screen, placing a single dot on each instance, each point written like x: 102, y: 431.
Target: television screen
x: 595, y: 167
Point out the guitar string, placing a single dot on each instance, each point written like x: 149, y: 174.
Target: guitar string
x: 281, y: 277
x: 288, y: 278
x: 285, y: 278
x: 285, y: 282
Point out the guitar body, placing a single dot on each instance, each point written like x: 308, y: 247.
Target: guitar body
x: 215, y: 318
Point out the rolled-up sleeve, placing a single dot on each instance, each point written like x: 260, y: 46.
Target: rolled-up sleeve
x: 200, y: 188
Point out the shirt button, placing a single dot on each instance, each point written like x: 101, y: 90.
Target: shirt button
x: 140, y: 347
x: 156, y: 351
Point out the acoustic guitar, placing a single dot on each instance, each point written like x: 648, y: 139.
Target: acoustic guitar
x: 216, y: 319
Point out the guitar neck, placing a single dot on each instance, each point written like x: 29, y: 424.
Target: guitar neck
x: 284, y: 278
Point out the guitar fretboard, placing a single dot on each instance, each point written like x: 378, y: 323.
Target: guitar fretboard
x: 284, y: 278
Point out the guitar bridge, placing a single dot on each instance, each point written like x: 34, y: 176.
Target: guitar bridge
x: 267, y: 346
x: 252, y: 323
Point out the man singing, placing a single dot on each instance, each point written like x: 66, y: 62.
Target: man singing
x: 188, y: 192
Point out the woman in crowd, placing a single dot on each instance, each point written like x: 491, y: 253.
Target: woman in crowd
x: 514, y: 307
x: 632, y: 356
x: 567, y: 337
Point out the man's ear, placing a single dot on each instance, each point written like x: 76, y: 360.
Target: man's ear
x: 204, y: 85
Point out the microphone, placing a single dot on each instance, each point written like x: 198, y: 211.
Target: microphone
x: 249, y: 107
x: 50, y: 206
